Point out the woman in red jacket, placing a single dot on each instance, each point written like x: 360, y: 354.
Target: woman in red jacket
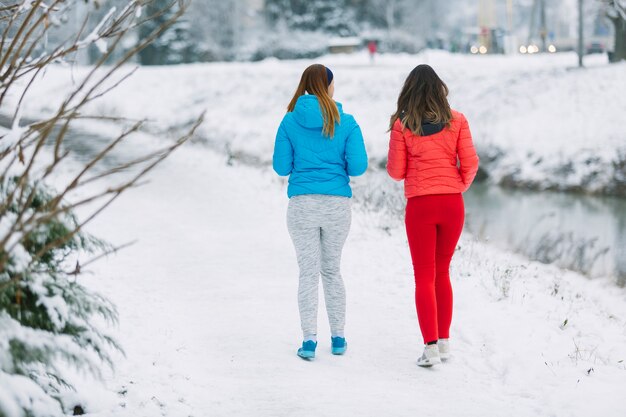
x: 431, y: 149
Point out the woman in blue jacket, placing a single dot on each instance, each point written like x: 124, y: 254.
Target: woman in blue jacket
x: 319, y: 147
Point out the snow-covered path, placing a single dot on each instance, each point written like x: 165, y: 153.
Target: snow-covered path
x: 209, y: 320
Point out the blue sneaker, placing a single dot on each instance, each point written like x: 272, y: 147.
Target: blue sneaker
x: 339, y: 345
x: 307, y: 351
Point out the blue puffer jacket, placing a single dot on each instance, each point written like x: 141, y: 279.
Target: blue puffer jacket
x: 318, y: 164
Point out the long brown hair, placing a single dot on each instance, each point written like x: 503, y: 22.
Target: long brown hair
x: 423, y: 99
x: 314, y: 81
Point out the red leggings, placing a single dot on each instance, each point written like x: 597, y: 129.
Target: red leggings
x: 433, y: 227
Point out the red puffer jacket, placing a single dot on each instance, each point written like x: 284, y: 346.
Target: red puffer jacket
x: 428, y: 164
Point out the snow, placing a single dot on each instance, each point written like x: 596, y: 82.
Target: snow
x: 207, y: 298
x: 95, y: 37
x: 345, y: 41
x: 19, y: 391
x: 25, y: 6
x: 20, y: 258
x: 209, y: 319
x: 10, y: 138
x: 24, y: 393
x: 532, y: 116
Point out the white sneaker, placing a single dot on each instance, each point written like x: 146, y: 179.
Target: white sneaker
x: 444, y: 349
x: 430, y: 356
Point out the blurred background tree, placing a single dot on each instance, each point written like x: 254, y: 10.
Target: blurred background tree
x: 616, y: 13
x: 334, y: 17
x: 175, y: 45
x: 216, y: 30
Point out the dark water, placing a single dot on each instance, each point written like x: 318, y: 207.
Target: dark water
x: 579, y: 232
x: 83, y: 145
x: 574, y: 231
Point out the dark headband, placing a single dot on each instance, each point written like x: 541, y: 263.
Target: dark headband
x: 329, y: 75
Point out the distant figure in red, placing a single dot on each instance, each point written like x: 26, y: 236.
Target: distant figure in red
x: 371, y: 46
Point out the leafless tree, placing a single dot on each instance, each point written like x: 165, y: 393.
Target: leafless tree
x: 32, y: 154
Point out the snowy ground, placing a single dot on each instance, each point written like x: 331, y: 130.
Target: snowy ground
x: 209, y: 320
x: 207, y: 298
x: 537, y: 120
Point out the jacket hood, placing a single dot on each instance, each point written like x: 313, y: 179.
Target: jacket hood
x: 307, y: 111
x: 429, y: 129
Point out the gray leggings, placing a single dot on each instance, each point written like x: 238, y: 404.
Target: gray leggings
x: 319, y: 225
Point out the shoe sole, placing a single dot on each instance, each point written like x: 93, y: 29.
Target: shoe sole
x: 339, y: 350
x: 429, y: 364
x: 306, y: 355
